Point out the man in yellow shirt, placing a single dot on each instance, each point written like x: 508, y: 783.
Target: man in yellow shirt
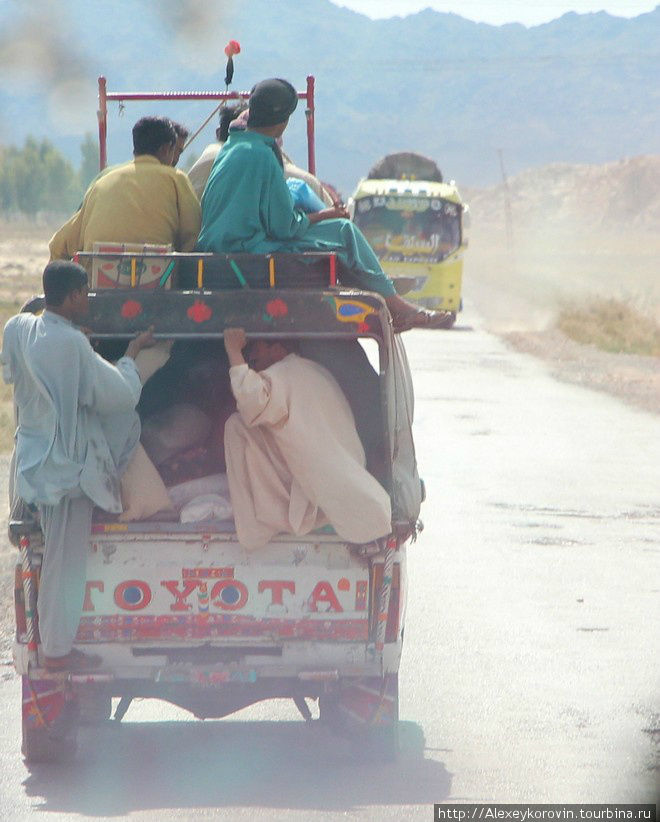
x: 144, y: 201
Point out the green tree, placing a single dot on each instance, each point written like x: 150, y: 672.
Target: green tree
x: 62, y: 188
x: 89, y: 166
x: 37, y: 178
x: 30, y: 178
x: 8, y: 202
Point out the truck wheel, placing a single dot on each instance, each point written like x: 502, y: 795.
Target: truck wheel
x: 380, y: 743
x: 56, y: 742
x: 367, y: 712
x: 95, y: 707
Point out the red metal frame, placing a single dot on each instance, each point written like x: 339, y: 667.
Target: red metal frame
x: 105, y: 96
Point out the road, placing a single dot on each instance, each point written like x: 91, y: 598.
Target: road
x: 530, y: 671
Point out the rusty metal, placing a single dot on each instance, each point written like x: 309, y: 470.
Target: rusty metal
x: 102, y: 114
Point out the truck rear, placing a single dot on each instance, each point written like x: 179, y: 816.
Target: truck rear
x: 180, y: 611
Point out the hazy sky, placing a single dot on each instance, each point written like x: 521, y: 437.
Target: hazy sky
x: 496, y: 12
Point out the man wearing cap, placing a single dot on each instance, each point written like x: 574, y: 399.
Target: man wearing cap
x: 235, y: 119
x: 77, y: 430
x: 247, y: 207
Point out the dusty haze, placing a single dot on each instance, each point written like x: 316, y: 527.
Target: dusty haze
x: 574, y: 232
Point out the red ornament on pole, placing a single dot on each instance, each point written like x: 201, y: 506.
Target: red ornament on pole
x: 233, y: 47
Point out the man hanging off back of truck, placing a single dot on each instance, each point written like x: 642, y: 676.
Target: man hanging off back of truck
x: 77, y: 430
x: 294, y: 458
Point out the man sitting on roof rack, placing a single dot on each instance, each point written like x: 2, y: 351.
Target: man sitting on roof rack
x: 294, y: 458
x: 144, y: 201
x: 182, y: 135
x: 247, y: 207
x: 234, y: 118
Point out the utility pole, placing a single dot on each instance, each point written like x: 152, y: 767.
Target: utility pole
x: 508, y: 214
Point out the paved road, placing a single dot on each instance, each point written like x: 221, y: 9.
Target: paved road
x: 529, y: 672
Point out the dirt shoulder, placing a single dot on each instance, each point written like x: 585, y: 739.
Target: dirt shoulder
x: 632, y: 378
x: 570, y: 240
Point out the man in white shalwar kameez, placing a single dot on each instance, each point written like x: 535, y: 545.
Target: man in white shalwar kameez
x: 77, y: 429
x: 294, y: 458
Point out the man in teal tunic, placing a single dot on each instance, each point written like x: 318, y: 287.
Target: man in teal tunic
x: 247, y: 207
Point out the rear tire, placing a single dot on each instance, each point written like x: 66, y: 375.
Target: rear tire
x: 378, y: 743
x: 56, y: 742
x: 94, y: 707
x: 376, y: 738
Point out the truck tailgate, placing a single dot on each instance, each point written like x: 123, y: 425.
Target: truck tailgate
x: 147, y: 586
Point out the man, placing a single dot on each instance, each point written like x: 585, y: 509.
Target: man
x: 235, y: 118
x: 247, y: 207
x: 77, y: 430
x: 199, y: 172
x: 181, y: 137
x: 144, y: 201
x: 294, y: 459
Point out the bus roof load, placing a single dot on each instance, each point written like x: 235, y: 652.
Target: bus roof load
x: 405, y: 165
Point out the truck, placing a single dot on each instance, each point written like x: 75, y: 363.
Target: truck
x: 180, y: 611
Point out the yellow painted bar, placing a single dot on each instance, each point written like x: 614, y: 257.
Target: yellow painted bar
x: 200, y: 274
x: 133, y: 272
x: 271, y: 272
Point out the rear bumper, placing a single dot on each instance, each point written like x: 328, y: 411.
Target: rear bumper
x: 214, y: 665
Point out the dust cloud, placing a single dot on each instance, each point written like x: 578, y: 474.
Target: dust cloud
x: 40, y: 49
x: 198, y: 30
x: 37, y: 52
x: 574, y: 232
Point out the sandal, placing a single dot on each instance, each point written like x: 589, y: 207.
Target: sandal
x: 423, y: 318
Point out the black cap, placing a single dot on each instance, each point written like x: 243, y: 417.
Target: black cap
x: 271, y: 102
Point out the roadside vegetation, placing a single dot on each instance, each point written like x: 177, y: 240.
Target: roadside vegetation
x: 37, y: 178
x: 612, y: 325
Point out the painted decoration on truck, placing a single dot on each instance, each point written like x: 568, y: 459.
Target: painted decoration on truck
x: 131, y: 308
x: 43, y: 701
x: 225, y: 593
x: 276, y: 308
x: 371, y: 700
x: 120, y: 627
x: 215, y: 602
x: 199, y: 312
x: 351, y: 311
x: 132, y: 595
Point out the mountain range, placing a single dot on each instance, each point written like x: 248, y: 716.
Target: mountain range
x: 584, y: 88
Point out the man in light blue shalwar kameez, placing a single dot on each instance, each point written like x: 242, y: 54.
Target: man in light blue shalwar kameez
x: 77, y: 430
x: 247, y: 207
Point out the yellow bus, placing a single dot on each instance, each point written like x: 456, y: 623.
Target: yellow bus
x: 415, y: 222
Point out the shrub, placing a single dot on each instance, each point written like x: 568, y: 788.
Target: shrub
x: 613, y: 325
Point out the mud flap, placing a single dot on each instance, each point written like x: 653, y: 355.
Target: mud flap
x: 49, y: 720
x: 367, y: 711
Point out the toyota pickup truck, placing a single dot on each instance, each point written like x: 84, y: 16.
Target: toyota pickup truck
x: 179, y: 611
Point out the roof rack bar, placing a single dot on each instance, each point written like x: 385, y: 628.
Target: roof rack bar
x: 132, y: 96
